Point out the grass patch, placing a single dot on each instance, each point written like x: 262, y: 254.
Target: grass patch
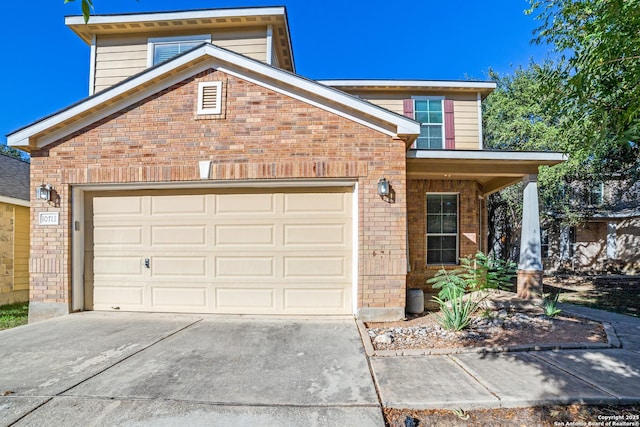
x: 618, y: 294
x: 13, y: 315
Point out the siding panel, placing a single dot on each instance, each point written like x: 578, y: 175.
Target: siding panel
x: 21, y: 250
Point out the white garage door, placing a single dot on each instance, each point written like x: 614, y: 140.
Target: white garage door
x: 246, y: 252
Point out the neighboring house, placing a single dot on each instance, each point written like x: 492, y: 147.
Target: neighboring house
x: 204, y: 175
x: 606, y: 239
x: 14, y: 230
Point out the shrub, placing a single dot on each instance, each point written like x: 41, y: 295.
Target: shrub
x: 550, y: 304
x: 476, y: 273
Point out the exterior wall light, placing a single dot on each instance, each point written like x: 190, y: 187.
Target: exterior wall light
x: 383, y: 188
x: 44, y: 192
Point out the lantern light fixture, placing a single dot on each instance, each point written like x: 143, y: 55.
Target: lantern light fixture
x: 44, y: 192
x: 383, y: 187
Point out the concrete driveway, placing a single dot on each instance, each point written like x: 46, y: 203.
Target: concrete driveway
x: 158, y: 369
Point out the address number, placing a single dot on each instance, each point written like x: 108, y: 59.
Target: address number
x: 49, y: 218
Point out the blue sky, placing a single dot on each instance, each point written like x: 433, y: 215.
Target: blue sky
x: 45, y: 66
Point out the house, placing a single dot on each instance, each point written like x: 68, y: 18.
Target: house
x: 202, y: 174
x: 606, y: 237
x: 14, y: 230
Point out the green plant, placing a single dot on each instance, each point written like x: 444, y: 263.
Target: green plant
x: 550, y: 303
x: 13, y: 315
x: 476, y: 273
x: 455, y: 313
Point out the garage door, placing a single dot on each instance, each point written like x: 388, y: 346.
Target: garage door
x: 244, y: 252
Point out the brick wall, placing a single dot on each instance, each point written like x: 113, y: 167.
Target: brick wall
x: 260, y: 135
x: 469, y: 233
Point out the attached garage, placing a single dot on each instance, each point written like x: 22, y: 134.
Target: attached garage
x: 247, y: 251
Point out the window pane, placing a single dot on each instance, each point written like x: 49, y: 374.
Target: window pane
x: 434, y: 131
x: 435, y: 117
x: 450, y: 204
x: 422, y: 117
x: 435, y: 105
x: 448, y: 257
x: 434, y: 243
x: 434, y: 203
x: 434, y: 224
x: 433, y: 257
x: 421, y: 105
x: 449, y: 224
x: 165, y: 51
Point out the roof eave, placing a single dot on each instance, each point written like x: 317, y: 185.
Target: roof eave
x: 32, y: 135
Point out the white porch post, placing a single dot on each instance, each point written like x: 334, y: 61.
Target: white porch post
x: 530, y: 266
x: 612, y: 248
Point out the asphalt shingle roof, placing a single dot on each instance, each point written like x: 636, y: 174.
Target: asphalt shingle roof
x: 14, y: 178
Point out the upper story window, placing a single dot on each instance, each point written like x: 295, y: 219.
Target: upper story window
x: 430, y: 114
x: 436, y: 116
x: 161, y: 49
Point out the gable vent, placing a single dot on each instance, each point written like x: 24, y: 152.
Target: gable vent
x: 210, y: 98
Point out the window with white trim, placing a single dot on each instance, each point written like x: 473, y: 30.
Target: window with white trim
x: 161, y: 49
x: 442, y: 228
x: 429, y: 112
x: 210, y: 97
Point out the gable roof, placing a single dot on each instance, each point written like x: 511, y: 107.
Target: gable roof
x: 206, y: 56
x: 14, y: 181
x: 191, y: 20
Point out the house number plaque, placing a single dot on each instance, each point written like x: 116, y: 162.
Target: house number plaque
x: 49, y: 218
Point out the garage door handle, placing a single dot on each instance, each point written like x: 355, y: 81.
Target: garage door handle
x: 146, y: 263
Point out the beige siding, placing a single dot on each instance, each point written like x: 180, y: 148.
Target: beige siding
x: 21, y: 249
x: 250, y: 43
x: 6, y: 250
x: 465, y: 108
x: 466, y: 124
x: 120, y: 57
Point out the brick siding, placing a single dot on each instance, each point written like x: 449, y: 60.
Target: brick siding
x: 469, y: 233
x: 260, y: 135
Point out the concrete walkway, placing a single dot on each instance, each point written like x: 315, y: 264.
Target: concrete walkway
x: 517, y: 379
x: 152, y: 369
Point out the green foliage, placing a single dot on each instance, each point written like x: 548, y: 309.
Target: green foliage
x: 458, y: 286
x: 599, y: 46
x: 13, y: 315
x: 474, y: 274
x: 12, y: 152
x: 550, y: 304
x: 455, y: 313
x: 87, y: 7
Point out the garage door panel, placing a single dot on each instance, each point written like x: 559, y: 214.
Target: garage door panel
x: 321, y: 204
x: 179, y: 298
x: 245, y: 235
x: 185, y: 235
x: 245, y: 204
x: 176, y: 205
x: 117, y: 206
x: 116, y: 235
x: 179, y: 266
x: 245, y: 300
x: 315, y: 235
x: 250, y: 251
x: 245, y: 267
x: 322, y: 268
x: 117, y: 266
x: 109, y: 297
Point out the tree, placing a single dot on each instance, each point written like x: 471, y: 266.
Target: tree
x: 599, y: 45
x: 12, y: 152
x: 87, y: 7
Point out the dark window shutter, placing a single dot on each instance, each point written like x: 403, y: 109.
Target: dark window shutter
x: 449, y: 127
x: 407, y: 106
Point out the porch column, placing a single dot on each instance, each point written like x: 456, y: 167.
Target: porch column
x: 530, y: 265
x: 612, y: 248
x: 565, y: 243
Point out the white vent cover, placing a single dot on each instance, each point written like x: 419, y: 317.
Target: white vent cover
x: 209, y: 97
